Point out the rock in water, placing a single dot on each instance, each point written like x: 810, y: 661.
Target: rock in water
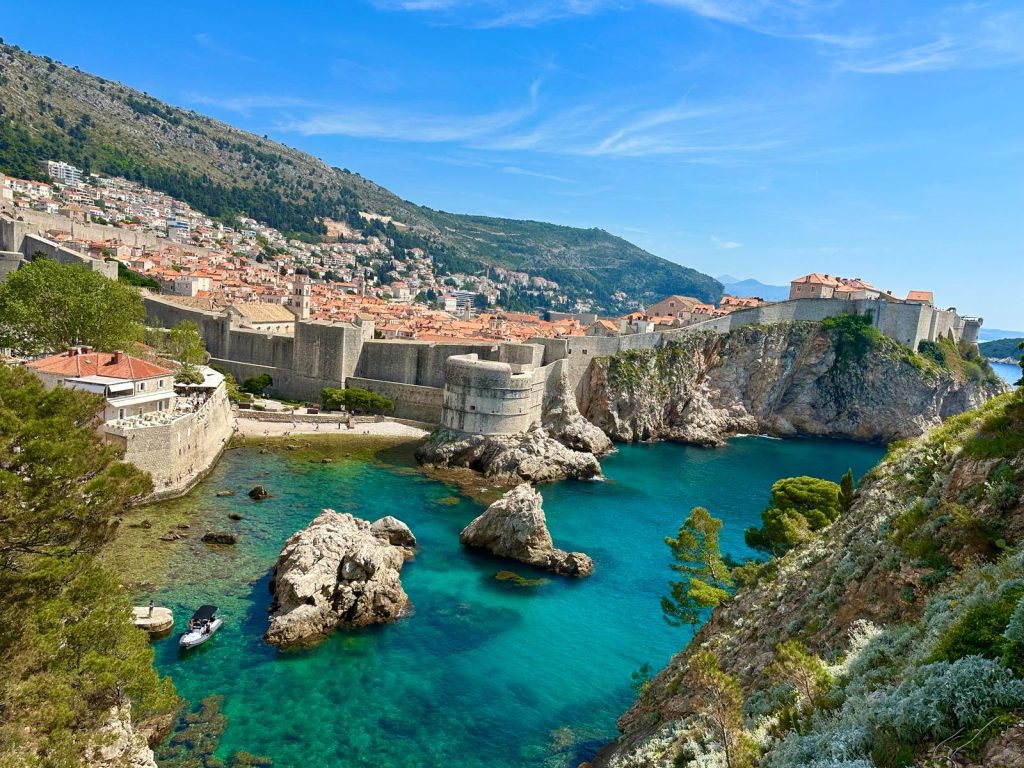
x: 259, y: 492
x: 514, y: 526
x: 219, y: 537
x: 395, y: 532
x: 336, y: 572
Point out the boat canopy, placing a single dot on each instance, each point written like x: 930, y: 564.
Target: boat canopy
x: 204, y: 613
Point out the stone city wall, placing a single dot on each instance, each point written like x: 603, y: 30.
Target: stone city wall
x: 421, y: 404
x: 474, y: 384
x: 491, y: 398
x: 178, y: 455
x: 19, y: 237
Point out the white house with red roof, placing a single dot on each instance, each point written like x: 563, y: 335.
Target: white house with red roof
x: 131, y: 386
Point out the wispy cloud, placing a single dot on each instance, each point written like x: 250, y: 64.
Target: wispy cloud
x: 724, y: 245
x: 951, y: 35
x: 515, y: 170
x: 246, y: 105
x: 212, y: 45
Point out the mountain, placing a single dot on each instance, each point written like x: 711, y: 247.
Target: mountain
x: 51, y: 111
x: 750, y: 287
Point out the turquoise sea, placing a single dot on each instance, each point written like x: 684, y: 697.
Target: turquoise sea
x: 483, y: 673
x: 1008, y: 373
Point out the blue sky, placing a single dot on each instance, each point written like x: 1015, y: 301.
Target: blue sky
x: 760, y: 138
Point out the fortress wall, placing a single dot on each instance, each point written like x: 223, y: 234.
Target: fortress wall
x: 262, y: 348
x: 213, y: 327
x: 487, y: 397
x: 178, y: 455
x: 32, y: 244
x: 411, y: 401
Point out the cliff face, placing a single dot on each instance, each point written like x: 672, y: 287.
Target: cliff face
x: 786, y: 379
x: 909, y: 610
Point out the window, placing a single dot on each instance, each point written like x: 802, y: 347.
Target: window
x: 120, y: 413
x: 142, y: 386
x: 472, y: 407
x: 160, y: 384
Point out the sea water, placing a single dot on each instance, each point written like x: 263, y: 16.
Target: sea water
x: 484, y: 672
x: 1011, y: 374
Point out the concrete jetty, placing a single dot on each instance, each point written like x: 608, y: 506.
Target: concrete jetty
x: 161, y: 619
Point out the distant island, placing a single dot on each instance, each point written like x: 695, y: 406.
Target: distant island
x: 1001, y: 350
x: 750, y: 287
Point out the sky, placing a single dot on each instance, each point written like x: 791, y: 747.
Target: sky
x: 759, y: 138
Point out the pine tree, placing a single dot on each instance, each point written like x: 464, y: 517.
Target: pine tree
x: 846, y: 491
x: 698, y: 559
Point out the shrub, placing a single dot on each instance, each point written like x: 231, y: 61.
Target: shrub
x: 944, y: 697
x: 983, y: 631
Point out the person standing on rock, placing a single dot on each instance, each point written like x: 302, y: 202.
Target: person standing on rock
x: 150, y: 608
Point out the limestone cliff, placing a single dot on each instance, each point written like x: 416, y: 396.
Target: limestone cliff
x: 563, y: 445
x: 834, y: 380
x: 904, y: 618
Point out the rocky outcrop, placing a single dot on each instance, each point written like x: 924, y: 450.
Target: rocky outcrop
x: 120, y: 745
x: 515, y: 527
x: 786, y: 379
x: 395, y: 532
x: 337, y: 572
x: 563, y: 445
x: 258, y: 493
x: 532, y: 456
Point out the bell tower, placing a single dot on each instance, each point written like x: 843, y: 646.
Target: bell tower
x: 300, y: 300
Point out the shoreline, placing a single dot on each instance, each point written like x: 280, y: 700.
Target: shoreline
x: 256, y: 428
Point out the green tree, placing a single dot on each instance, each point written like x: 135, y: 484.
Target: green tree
x: 356, y: 400
x: 846, y: 488
x: 67, y: 648
x: 794, y: 665
x: 46, y: 306
x: 697, y: 558
x: 799, y: 507
x: 185, y: 344
x: 718, y: 697
x: 257, y: 385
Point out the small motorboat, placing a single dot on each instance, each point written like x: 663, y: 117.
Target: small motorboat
x: 201, y: 626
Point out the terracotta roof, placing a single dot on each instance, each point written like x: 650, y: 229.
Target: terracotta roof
x: 817, y: 279
x: 117, y: 365
x: 263, y: 312
x: 919, y: 296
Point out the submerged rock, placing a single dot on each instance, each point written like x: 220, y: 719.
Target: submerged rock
x: 514, y: 526
x: 219, y: 537
x: 520, y: 581
x: 259, y: 492
x: 336, y: 572
x: 222, y: 494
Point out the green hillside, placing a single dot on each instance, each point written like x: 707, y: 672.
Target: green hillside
x: 50, y: 111
x: 1001, y: 348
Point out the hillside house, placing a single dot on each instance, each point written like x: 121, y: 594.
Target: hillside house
x: 130, y: 385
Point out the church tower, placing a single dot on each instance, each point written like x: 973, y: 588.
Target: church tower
x: 299, y: 303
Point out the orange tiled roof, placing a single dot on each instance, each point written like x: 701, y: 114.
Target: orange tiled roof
x: 117, y: 365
